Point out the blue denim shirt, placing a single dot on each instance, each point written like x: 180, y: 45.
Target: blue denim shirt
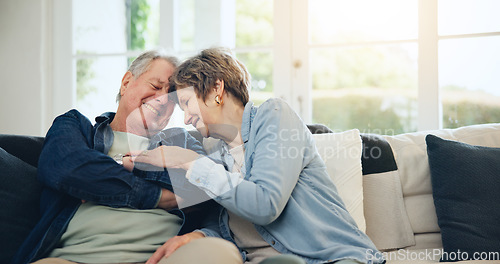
x: 73, y: 166
x: 286, y: 191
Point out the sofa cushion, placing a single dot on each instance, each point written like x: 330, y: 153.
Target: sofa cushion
x: 377, y: 155
x: 410, y: 152
x: 387, y: 223
x: 466, y: 183
x: 341, y: 153
x: 26, y: 148
x: 19, y: 202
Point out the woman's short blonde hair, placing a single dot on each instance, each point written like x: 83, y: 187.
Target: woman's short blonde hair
x: 203, y: 70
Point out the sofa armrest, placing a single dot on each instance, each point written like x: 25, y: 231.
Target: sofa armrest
x: 26, y: 148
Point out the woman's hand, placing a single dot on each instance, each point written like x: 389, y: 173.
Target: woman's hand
x: 127, y: 163
x: 172, y: 245
x: 167, y: 157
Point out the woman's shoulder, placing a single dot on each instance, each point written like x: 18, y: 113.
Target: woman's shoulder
x: 276, y: 107
x: 273, y: 106
x: 274, y: 103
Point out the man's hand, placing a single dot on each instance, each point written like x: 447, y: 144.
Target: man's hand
x: 172, y: 245
x: 167, y: 157
x: 168, y: 200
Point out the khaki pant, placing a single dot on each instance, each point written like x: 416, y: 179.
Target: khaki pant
x: 206, y: 250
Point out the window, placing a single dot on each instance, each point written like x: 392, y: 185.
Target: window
x: 254, y: 45
x: 382, y: 66
x: 105, y: 41
x: 469, y: 61
x: 363, y: 57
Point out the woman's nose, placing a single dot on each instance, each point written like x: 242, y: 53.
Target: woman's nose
x: 187, y: 118
x: 162, y: 97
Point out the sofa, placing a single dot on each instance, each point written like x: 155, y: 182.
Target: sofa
x: 388, y: 184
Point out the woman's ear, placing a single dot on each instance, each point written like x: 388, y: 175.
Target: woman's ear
x: 219, y: 87
x: 125, y: 81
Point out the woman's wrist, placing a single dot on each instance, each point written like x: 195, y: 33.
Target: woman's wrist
x: 189, y: 158
x: 128, y: 163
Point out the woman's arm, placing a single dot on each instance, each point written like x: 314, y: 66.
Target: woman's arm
x: 172, y: 179
x: 280, y: 145
x: 69, y: 164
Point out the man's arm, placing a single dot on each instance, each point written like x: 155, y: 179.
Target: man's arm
x: 69, y: 164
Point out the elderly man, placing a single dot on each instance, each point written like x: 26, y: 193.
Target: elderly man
x: 97, y: 207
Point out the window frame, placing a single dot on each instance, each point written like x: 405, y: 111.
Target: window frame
x: 291, y: 69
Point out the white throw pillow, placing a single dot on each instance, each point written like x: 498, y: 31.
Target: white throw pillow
x: 341, y: 153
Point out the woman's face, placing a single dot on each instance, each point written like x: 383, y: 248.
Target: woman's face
x: 202, y: 115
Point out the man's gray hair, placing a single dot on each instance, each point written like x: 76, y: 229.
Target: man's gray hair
x: 142, y: 63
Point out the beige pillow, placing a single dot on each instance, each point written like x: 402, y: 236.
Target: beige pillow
x: 341, y: 153
x: 410, y: 152
x: 386, y: 221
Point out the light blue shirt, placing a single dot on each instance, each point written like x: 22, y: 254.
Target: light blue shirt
x: 283, y: 189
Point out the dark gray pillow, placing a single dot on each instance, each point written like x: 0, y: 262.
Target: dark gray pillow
x: 19, y: 203
x: 466, y: 190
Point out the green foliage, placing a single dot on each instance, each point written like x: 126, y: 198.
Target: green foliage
x: 363, y: 113
x: 469, y: 113
x: 369, y: 116
x: 454, y: 88
x: 260, y: 66
x: 254, y: 27
x: 386, y: 68
x: 381, y: 67
x: 139, y: 12
x: 84, y: 74
x: 254, y: 23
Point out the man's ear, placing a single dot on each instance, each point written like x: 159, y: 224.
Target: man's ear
x: 125, y: 82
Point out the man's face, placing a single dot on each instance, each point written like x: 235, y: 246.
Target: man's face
x: 145, y: 99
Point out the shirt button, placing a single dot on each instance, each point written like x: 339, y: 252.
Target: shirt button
x: 197, y: 180
x: 273, y: 242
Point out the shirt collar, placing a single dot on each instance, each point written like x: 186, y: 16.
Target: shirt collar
x: 246, y: 122
x: 103, y: 138
x: 105, y: 118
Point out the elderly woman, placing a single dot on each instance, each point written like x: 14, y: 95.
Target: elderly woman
x: 278, y: 202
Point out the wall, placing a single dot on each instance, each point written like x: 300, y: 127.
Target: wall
x: 22, y: 59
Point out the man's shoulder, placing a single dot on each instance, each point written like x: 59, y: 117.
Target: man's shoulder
x: 172, y: 136
x: 72, y: 114
x: 77, y: 115
x: 70, y: 122
x: 173, y: 131
x: 178, y: 136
